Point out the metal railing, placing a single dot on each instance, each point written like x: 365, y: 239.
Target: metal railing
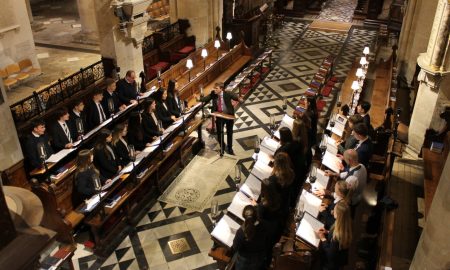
x: 56, y: 93
x: 166, y: 33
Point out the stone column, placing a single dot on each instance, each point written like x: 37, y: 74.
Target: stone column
x: 88, y: 20
x: 433, y: 80
x: 204, y: 16
x: 121, y: 40
x: 11, y: 152
x: 30, y: 13
x: 433, y: 249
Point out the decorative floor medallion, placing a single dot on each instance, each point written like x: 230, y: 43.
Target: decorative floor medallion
x: 179, y: 246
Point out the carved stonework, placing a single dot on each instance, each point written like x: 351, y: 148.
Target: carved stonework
x: 438, y: 42
x: 428, y: 74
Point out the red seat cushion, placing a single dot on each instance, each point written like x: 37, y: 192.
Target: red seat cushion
x: 187, y: 49
x: 151, y: 73
x: 334, y: 79
x: 160, y: 66
x: 176, y: 57
x: 320, y: 105
x: 326, y: 91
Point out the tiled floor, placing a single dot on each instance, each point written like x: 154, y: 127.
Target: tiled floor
x: 338, y: 10
x: 298, y: 57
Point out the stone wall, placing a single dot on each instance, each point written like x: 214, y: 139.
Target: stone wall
x: 10, y: 150
x: 16, y: 38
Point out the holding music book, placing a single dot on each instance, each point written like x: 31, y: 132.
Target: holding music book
x: 252, y: 187
x: 311, y: 203
x: 332, y: 162
x: 236, y: 207
x: 307, y: 228
x: 321, y: 180
x: 287, y: 121
x: 261, y: 170
x: 225, y: 231
x: 270, y: 145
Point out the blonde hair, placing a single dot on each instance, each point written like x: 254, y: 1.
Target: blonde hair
x: 342, y: 228
x: 300, y: 133
x: 282, y: 169
x: 343, y: 188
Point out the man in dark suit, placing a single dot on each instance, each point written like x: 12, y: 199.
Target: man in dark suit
x: 364, y: 147
x: 363, y: 109
x: 37, y: 145
x: 222, y: 103
x: 76, y: 116
x: 127, y: 88
x: 95, y: 115
x: 60, y: 132
x: 111, y: 102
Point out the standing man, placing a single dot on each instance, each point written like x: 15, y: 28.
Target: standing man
x: 222, y: 104
x: 363, y: 110
x: 110, y: 97
x: 127, y: 89
x: 35, y: 140
x: 95, y: 115
x: 364, y: 146
x: 62, y: 138
x: 76, y: 114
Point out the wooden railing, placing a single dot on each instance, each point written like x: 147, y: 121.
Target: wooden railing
x: 152, y: 41
x: 57, y: 92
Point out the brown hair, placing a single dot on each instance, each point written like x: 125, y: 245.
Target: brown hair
x: 84, y: 162
x: 250, y: 218
x: 282, y: 169
x: 300, y: 133
x: 117, y: 132
x: 342, y: 187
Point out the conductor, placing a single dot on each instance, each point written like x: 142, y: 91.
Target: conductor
x: 221, y: 104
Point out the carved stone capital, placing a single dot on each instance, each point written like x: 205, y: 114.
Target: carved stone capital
x: 429, y: 75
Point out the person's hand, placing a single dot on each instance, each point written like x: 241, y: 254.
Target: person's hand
x: 254, y: 203
x: 341, y: 157
x: 123, y: 107
x: 120, y: 167
x: 321, y: 233
x: 108, y: 181
x: 140, y: 94
x: 319, y: 192
x: 341, y: 167
x: 322, y: 207
x: 133, y: 101
x: 153, y: 138
x: 68, y: 146
x: 328, y: 173
x: 173, y: 118
x: 338, y: 142
x: 241, y: 100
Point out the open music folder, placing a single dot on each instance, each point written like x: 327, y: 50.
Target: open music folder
x: 225, y: 231
x: 287, y: 121
x: 321, y: 180
x: 261, y: 170
x: 311, y: 203
x: 236, y: 207
x: 270, y: 145
x: 306, y: 231
x: 331, y: 161
x: 252, y: 187
x: 339, y: 125
x: 331, y: 145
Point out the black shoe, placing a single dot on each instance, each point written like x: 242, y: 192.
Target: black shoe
x: 230, y: 151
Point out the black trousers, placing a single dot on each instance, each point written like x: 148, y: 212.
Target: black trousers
x: 220, y: 123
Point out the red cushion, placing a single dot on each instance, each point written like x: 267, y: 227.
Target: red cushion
x: 151, y: 73
x: 320, y: 105
x: 176, y: 57
x: 330, y: 83
x: 326, y: 91
x: 160, y: 66
x: 265, y: 69
x: 334, y: 79
x: 187, y: 49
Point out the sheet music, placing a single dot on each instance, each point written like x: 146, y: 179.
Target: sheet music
x: 338, y: 128
x: 148, y: 93
x: 87, y: 135
x: 311, y: 203
x: 225, y: 230
x: 321, y: 180
x: 237, y: 205
x: 60, y: 155
x: 193, y: 108
x: 261, y: 170
x: 270, y: 144
x: 307, y: 229
x: 93, y: 201
x: 251, y: 187
x: 117, y: 177
x: 331, y: 145
x: 287, y: 121
x: 263, y: 156
x: 332, y: 162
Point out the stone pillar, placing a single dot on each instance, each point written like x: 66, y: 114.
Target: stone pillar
x: 433, y: 249
x: 88, y: 20
x: 203, y: 15
x: 433, y: 80
x: 121, y: 40
x: 30, y: 13
x: 9, y: 141
x: 415, y: 33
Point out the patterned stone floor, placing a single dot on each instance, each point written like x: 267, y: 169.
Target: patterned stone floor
x: 295, y: 60
x: 338, y: 10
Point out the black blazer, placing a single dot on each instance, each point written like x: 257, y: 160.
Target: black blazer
x: 83, y: 186
x: 59, y: 137
x: 105, y: 162
x: 150, y: 127
x: 73, y: 124
x: 92, y: 115
x: 105, y: 100
x: 365, y: 152
x: 332, y: 257
x: 121, y: 152
x: 163, y: 114
x: 125, y: 91
x: 227, y: 97
x: 173, y: 105
x: 135, y: 140
x: 366, y: 119
x: 31, y: 151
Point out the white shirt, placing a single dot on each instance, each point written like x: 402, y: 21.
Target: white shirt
x: 357, y: 182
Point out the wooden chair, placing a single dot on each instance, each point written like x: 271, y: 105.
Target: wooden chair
x: 13, y: 71
x: 9, y: 82
x: 26, y: 66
